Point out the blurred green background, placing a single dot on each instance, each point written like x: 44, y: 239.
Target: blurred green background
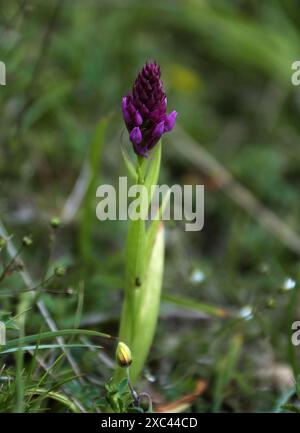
x: 226, y: 66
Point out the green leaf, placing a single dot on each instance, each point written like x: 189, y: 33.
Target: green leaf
x: 88, y: 206
x: 147, y: 306
x: 291, y: 408
x: 135, y: 262
x: 16, y: 343
x: 47, y: 346
x: 192, y: 305
x: 129, y: 165
x: 49, y: 370
x: 152, y: 175
x: 123, y: 386
x: 152, y: 230
x: 144, y: 270
x: 135, y: 254
x: 225, y: 371
x: 61, y: 398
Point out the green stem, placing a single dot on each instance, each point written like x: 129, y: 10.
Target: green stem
x: 134, y: 271
x: 143, y: 276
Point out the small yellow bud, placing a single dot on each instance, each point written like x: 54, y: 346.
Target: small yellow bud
x: 60, y: 271
x: 123, y: 355
x: 2, y: 243
x: 270, y: 303
x: 55, y: 222
x: 27, y: 241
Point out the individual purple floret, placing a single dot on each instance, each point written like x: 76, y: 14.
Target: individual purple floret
x: 144, y: 110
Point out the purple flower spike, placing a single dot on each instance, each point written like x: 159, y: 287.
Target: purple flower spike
x: 144, y: 110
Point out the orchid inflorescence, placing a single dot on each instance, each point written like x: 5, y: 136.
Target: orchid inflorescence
x: 144, y: 110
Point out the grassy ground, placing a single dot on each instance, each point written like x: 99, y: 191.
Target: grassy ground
x: 230, y: 292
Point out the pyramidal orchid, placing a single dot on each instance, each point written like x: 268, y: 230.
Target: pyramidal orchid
x: 145, y: 110
x: 146, y: 118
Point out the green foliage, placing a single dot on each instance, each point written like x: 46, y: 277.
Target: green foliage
x: 225, y: 371
x: 144, y: 271
x: 227, y: 70
x: 88, y: 206
x: 117, y: 396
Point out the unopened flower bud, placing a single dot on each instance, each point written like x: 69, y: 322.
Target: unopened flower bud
x: 123, y: 355
x: 2, y: 243
x: 55, y: 222
x: 27, y: 241
x: 60, y: 271
x: 270, y: 303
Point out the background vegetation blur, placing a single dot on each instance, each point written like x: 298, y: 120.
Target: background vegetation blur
x: 226, y: 66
